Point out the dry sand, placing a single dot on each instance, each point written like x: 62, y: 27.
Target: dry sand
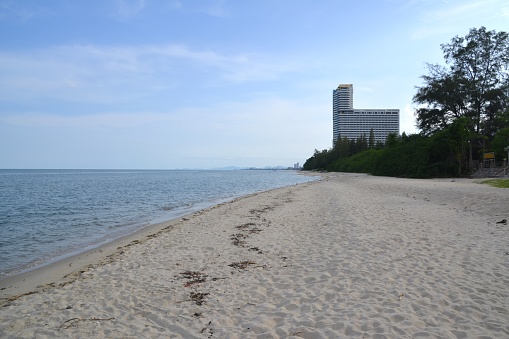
x: 349, y: 256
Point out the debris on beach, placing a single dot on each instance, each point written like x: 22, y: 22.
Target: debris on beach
x: 250, y: 227
x: 198, y: 298
x: 256, y: 249
x: 193, y: 278
x: 244, y: 226
x: 242, y: 265
x: 237, y: 239
x: 254, y: 231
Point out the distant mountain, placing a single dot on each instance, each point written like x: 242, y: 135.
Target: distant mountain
x: 229, y: 168
x: 276, y: 167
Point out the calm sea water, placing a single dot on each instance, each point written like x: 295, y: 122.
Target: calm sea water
x: 49, y: 214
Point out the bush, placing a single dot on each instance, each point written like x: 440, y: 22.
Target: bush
x: 363, y: 162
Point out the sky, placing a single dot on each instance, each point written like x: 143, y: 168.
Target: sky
x: 153, y: 84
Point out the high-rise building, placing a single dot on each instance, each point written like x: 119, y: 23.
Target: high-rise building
x: 354, y: 123
x: 343, y: 97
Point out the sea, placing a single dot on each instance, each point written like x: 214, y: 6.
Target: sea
x: 47, y: 215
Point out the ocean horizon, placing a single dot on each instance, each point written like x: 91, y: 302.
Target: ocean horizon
x: 49, y: 214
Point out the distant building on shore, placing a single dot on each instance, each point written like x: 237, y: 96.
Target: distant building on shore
x: 354, y: 123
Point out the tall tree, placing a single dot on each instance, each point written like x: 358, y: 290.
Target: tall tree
x: 371, y: 142
x: 475, y: 84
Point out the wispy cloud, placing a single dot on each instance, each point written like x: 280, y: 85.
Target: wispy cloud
x: 232, y: 117
x: 461, y: 10
x: 94, y: 120
x: 177, y: 4
x: 216, y: 8
x: 19, y: 11
x: 504, y: 10
x: 126, y: 9
x: 411, y: 3
x: 260, y: 127
x: 71, y: 72
x: 448, y: 16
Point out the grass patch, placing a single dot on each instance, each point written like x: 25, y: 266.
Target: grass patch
x: 500, y: 183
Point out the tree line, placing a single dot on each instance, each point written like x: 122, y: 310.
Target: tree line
x: 463, y: 111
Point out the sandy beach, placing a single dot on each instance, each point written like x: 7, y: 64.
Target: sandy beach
x: 350, y: 256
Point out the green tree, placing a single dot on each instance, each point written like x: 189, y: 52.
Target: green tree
x: 392, y: 140
x: 362, y: 143
x: 319, y: 160
x: 371, y: 141
x: 343, y: 147
x: 500, y: 142
x: 447, y: 149
x: 502, y: 119
x: 474, y: 85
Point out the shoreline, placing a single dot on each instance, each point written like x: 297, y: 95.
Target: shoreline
x: 61, y: 269
x: 49, y: 273
x: 350, y: 255
x: 54, y: 230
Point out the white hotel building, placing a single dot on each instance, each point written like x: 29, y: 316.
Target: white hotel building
x: 354, y: 123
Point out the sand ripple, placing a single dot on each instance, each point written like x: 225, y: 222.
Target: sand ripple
x: 349, y: 256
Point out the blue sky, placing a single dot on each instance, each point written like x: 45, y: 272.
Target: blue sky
x: 150, y: 84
